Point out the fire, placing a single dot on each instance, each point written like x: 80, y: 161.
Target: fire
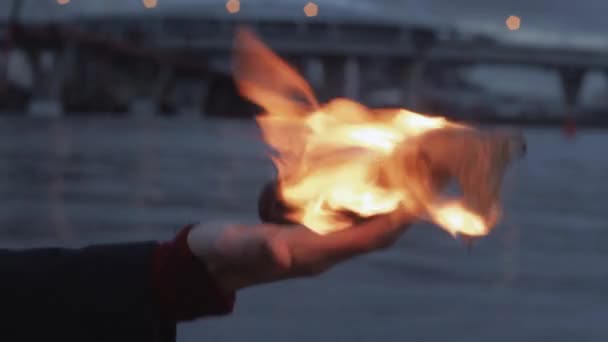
x: 341, y: 161
x: 457, y: 220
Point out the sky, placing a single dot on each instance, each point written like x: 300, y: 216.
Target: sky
x: 562, y: 22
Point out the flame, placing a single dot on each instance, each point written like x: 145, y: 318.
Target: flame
x: 343, y: 159
x: 457, y: 220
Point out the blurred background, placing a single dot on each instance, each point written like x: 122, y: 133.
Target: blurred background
x: 119, y: 120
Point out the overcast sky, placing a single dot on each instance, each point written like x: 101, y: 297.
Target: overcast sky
x: 581, y: 22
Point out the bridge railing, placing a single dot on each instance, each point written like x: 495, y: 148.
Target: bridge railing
x: 192, y: 33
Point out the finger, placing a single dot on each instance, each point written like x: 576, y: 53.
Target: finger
x: 375, y: 233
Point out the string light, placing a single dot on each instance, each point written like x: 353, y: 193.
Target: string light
x: 150, y: 3
x: 513, y: 22
x: 311, y: 9
x: 233, y: 6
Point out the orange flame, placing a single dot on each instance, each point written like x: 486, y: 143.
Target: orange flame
x: 344, y: 158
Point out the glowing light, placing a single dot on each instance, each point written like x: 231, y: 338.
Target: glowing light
x: 63, y: 2
x: 233, y: 6
x: 513, y: 22
x: 457, y: 220
x: 311, y: 9
x: 150, y: 3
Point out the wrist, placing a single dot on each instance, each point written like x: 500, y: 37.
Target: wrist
x: 184, y: 287
x: 240, y: 256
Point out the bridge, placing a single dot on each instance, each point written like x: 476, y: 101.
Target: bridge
x: 345, y: 53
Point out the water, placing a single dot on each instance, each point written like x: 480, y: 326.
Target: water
x: 541, y: 276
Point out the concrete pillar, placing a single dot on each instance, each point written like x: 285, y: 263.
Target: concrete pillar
x: 143, y: 107
x: 401, y: 69
x: 334, y: 80
x: 143, y: 103
x: 423, y: 40
x: 203, y: 95
x: 19, y: 70
x: 192, y: 96
x: 4, y: 60
x: 352, y: 78
x: 371, y: 78
x: 48, y: 79
x: 415, y: 83
x: 119, y: 86
x: 33, y: 61
x: 154, y: 96
x: 221, y: 97
x: 165, y: 84
x: 571, y: 81
x: 62, y: 68
x: 313, y: 72
x: 109, y: 88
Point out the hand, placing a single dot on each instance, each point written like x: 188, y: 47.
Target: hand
x: 241, y: 256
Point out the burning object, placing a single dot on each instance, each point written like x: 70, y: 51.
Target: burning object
x: 342, y: 162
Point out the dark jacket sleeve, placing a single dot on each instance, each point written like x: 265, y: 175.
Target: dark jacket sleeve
x: 122, y: 292
x: 98, y: 293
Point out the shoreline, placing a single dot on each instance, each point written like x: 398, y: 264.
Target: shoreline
x: 585, y: 122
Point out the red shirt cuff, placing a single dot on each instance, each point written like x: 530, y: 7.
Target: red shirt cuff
x: 183, y: 287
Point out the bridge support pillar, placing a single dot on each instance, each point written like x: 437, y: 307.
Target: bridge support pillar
x: 165, y: 84
x: 49, y: 81
x: 333, y: 78
x: 424, y: 40
x: 341, y: 78
x: 203, y: 95
x: 33, y: 61
x: 352, y: 78
x: 222, y: 98
x: 313, y: 72
x: 414, y: 82
x: 571, y: 81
